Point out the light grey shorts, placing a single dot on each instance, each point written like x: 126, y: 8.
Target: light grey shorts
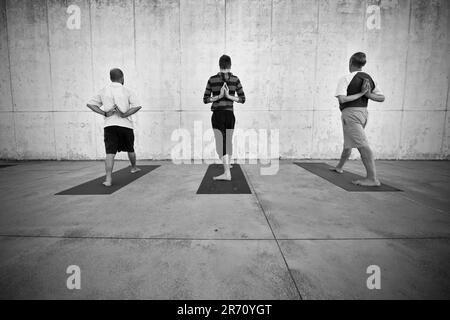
x: 354, y: 121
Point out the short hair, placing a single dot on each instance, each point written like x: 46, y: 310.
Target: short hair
x: 225, y: 62
x: 115, y: 74
x: 358, y: 59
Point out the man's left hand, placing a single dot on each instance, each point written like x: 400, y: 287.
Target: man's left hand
x: 120, y: 113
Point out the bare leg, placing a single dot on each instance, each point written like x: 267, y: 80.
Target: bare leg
x: 132, y: 157
x: 109, y: 165
x: 227, y: 172
x: 369, y: 163
x: 344, y: 157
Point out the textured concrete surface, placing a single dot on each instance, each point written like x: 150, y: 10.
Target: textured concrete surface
x: 289, y: 55
x: 296, y: 237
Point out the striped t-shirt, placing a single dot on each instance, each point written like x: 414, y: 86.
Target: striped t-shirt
x: 214, y: 85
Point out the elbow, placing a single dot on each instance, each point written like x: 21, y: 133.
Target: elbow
x: 379, y: 98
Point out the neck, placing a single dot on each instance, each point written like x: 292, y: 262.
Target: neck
x: 353, y: 69
x: 225, y: 70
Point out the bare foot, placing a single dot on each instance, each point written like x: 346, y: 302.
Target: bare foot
x: 107, y: 183
x: 224, y: 177
x: 135, y: 169
x: 367, y: 183
x: 337, y: 170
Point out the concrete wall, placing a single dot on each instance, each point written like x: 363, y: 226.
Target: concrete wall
x: 289, y: 55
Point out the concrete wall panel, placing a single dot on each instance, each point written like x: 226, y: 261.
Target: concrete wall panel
x: 383, y: 131
x: 5, y: 79
x: 197, y: 123
x: 7, y: 136
x: 113, y: 45
x: 296, y: 133
x: 202, y: 43
x: 35, y: 136
x: 158, y: 53
x: 422, y: 134
x: 428, y: 56
x: 387, y: 51
x: 289, y: 55
x: 294, y: 45
x: 446, y: 141
x: 341, y: 32
x: 70, y: 52
x: 153, y: 134
x: 328, y: 138
x: 248, y: 43
x: 75, y: 135
x: 29, y: 53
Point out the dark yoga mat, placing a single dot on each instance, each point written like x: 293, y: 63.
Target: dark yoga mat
x: 237, y: 185
x: 344, y: 180
x: 121, y: 179
x: 6, y: 165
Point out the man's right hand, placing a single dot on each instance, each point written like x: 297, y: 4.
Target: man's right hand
x: 110, y: 113
x: 365, y: 89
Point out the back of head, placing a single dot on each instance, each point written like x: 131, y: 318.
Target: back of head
x: 225, y: 62
x: 358, y: 60
x: 116, y: 75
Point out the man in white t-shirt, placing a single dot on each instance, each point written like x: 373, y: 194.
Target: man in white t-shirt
x: 353, y: 92
x: 117, y: 104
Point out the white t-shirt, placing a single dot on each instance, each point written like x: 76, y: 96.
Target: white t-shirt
x: 344, y: 82
x: 116, y: 94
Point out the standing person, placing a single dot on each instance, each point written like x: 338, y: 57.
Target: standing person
x: 353, y: 92
x: 117, y: 104
x: 221, y: 91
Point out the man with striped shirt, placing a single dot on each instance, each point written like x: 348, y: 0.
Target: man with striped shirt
x: 221, y: 91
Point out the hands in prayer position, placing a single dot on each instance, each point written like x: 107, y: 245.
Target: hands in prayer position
x: 366, y: 88
x: 224, y: 91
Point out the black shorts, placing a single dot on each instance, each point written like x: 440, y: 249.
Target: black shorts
x: 118, y: 139
x: 223, y: 124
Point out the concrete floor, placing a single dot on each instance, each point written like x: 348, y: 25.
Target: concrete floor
x: 296, y: 237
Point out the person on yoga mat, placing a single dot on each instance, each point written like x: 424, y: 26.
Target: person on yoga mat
x: 116, y: 103
x: 353, y: 92
x: 221, y: 91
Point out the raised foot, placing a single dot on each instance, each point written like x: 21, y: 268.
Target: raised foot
x: 134, y: 170
x: 367, y: 183
x: 340, y: 171
x: 223, y: 177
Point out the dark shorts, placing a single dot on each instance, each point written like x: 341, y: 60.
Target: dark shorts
x: 118, y: 139
x: 223, y: 124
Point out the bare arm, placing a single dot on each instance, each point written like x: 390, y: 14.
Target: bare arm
x: 233, y: 98
x: 127, y: 114
x: 365, y: 89
x: 207, y: 96
x: 216, y: 98
x: 345, y: 99
x: 97, y: 109
x: 241, y: 96
x: 375, y: 97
